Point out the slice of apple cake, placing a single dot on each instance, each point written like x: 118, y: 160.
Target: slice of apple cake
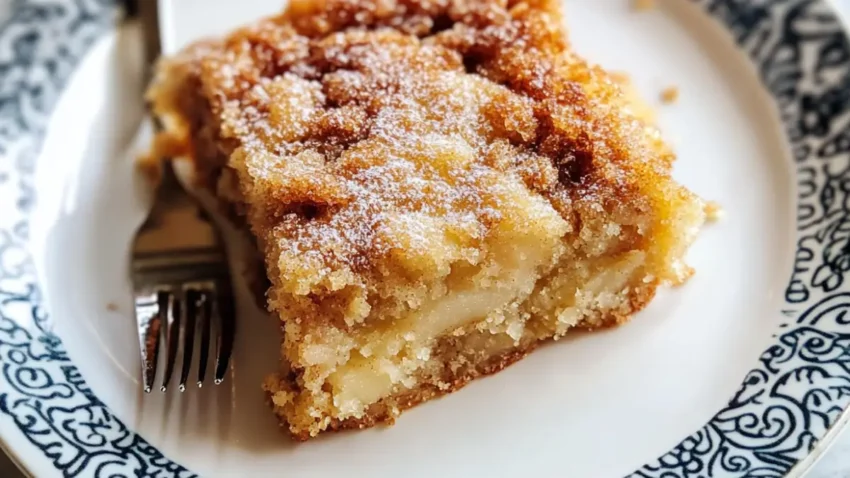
x: 436, y: 186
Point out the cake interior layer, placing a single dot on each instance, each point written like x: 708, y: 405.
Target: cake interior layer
x: 388, y: 361
x: 374, y: 374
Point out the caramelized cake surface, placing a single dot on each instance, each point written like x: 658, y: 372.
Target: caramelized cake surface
x: 436, y: 187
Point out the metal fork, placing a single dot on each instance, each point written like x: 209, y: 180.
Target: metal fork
x: 179, y: 267
x: 182, y: 286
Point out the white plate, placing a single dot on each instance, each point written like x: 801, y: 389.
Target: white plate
x: 602, y: 404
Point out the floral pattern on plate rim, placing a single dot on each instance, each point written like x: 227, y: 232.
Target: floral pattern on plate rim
x: 785, y: 405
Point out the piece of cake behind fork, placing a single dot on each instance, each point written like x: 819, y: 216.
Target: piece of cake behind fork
x: 437, y: 187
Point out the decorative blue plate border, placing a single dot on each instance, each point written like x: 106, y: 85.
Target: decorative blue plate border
x: 40, y: 388
x: 782, y: 409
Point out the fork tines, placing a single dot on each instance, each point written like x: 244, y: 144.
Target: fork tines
x: 169, y: 315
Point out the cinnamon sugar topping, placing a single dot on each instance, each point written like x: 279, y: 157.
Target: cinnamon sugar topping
x: 352, y: 109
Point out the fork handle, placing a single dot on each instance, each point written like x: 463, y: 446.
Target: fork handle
x: 148, y: 11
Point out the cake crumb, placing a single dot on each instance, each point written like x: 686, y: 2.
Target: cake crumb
x: 713, y: 211
x: 643, y: 5
x: 670, y: 95
x: 112, y: 306
x: 621, y: 78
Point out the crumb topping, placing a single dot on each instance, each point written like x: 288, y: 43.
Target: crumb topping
x: 643, y: 5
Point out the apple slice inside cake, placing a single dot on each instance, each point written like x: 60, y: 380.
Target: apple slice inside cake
x: 436, y: 187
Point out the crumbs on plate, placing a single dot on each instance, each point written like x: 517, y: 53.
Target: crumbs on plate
x: 713, y: 211
x: 670, y: 95
x: 643, y: 5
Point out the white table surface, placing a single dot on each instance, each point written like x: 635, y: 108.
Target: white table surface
x: 835, y: 464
